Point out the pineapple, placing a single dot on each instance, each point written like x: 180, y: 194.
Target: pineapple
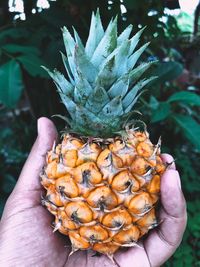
x: 103, y: 180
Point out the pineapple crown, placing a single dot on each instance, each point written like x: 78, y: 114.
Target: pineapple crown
x: 103, y: 81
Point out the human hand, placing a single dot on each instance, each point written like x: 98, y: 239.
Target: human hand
x: 26, y: 237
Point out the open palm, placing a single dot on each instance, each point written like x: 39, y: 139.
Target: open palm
x: 27, y: 239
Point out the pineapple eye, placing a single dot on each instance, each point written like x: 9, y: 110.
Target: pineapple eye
x: 101, y: 205
x: 79, y: 212
x: 69, y: 158
x: 86, y: 176
x: 105, y: 247
x: 139, y: 166
x: 141, y: 203
x: 144, y: 149
x: 77, y: 241
x: 148, y: 221
x: 148, y: 168
x: 117, y: 219
x: 102, y: 198
x: 89, y: 152
x: 108, y: 159
x: 118, y: 224
x: 122, y: 181
x: 53, y: 197
x: 87, y: 173
x: 94, y: 233
x: 61, y: 189
x: 93, y: 238
x: 127, y: 184
x: 67, y: 186
x: 126, y: 237
x: 75, y: 218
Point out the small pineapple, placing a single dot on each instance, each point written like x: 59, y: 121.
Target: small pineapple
x: 103, y: 180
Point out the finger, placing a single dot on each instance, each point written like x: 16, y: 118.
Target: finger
x: 164, y: 240
x: 169, y: 161
x: 29, y: 177
x: 135, y: 256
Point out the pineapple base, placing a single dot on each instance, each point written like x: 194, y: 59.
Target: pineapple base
x: 103, y: 193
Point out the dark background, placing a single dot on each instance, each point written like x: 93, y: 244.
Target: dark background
x: 170, y: 107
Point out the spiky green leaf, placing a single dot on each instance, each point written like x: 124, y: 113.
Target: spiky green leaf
x: 113, y: 108
x: 107, y: 75
x: 65, y: 86
x: 124, y: 35
x: 107, y: 44
x: 84, y: 66
x: 135, y: 40
x: 95, y: 34
x: 137, y: 72
x: 85, y: 117
x: 131, y: 98
x: 67, y: 67
x: 134, y: 58
x: 78, y: 40
x: 121, y: 59
x: 82, y: 90
x: 120, y: 87
x: 101, y: 99
x: 70, y: 48
x: 68, y: 102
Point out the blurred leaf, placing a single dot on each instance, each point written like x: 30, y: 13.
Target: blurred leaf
x: 53, y: 47
x: 5, y: 133
x: 191, y: 129
x: 60, y: 18
x: 14, y: 33
x: 8, y: 183
x: 195, y: 64
x: 12, y: 155
x: 185, y: 97
x: 175, y: 54
x: 11, y: 83
x: 185, y: 22
x: 161, y: 113
x: 15, y: 48
x: 33, y: 65
x: 153, y: 102
x: 132, y: 4
x: 167, y: 71
x: 187, y: 166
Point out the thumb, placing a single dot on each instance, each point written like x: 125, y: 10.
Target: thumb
x: 29, y: 177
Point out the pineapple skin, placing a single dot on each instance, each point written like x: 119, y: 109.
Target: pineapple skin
x: 103, y: 193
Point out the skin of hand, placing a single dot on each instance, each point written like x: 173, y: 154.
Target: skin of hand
x: 27, y: 239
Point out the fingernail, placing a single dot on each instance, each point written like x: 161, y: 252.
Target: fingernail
x: 171, y: 165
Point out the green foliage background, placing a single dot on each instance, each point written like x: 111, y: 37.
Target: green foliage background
x: 170, y: 107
